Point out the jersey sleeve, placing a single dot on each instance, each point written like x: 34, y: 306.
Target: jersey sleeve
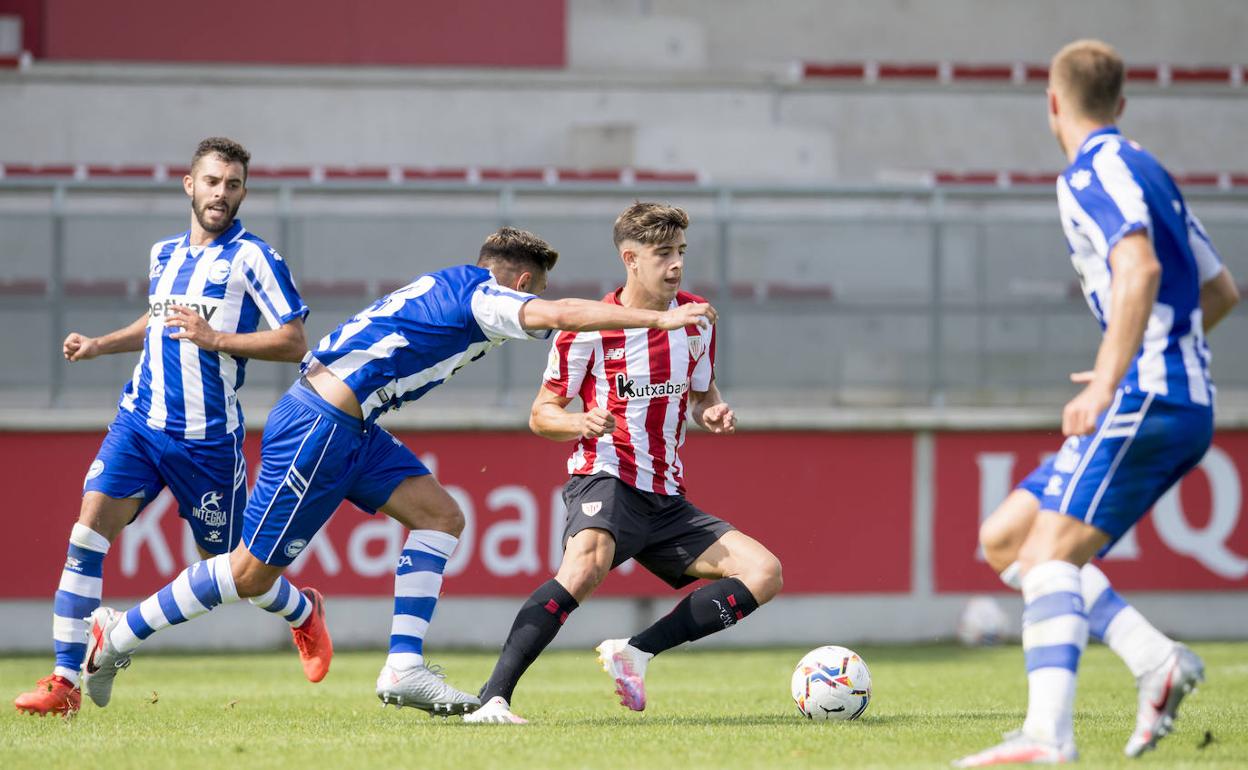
x: 271, y: 285
x: 1208, y: 262
x: 497, y: 311
x: 570, y: 357
x: 704, y: 369
x: 1111, y: 197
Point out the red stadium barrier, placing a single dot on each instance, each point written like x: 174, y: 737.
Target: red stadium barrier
x: 1194, y: 539
x: 836, y: 508
x: 1018, y: 73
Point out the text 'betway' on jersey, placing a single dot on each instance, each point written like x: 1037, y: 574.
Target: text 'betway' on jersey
x: 161, y: 306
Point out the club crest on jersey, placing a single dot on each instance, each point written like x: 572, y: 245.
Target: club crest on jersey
x: 158, y: 270
x: 97, y: 467
x: 219, y: 272
x: 627, y: 387
x: 1081, y: 179
x: 695, y: 347
x: 209, y: 509
x: 294, y: 547
x: 589, y: 509
x: 613, y: 354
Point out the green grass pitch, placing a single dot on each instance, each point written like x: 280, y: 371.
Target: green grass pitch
x: 708, y: 709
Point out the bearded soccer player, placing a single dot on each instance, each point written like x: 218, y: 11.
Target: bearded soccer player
x: 1142, y: 421
x: 626, y: 496
x: 179, y: 423
x: 322, y: 444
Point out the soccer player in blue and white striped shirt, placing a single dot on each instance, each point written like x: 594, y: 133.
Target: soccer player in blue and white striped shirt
x: 179, y: 423
x: 1143, y: 420
x: 322, y: 444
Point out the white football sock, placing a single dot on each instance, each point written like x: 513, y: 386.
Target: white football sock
x: 1121, y: 626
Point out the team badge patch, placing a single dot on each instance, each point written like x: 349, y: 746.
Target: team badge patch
x: 96, y: 469
x: 219, y: 272
x: 695, y: 347
x: 589, y: 509
x: 295, y: 546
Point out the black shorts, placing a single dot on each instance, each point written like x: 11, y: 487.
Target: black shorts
x: 664, y: 533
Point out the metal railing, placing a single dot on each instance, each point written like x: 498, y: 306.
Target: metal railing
x: 829, y: 296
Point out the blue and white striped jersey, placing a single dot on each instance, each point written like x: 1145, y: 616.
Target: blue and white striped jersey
x: 414, y: 339
x: 233, y: 282
x: 1113, y: 188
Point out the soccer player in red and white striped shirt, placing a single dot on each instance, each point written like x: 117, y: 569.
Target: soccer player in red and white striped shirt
x: 626, y: 496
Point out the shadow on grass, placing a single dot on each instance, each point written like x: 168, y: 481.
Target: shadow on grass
x: 765, y: 720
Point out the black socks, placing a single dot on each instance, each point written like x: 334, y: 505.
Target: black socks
x: 711, y: 608
x: 536, y: 624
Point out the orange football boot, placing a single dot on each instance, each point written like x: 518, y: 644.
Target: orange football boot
x: 52, y: 695
x: 316, y: 649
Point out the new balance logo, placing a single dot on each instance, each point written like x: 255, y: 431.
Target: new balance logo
x: 626, y: 387
x: 297, y: 483
x: 613, y: 354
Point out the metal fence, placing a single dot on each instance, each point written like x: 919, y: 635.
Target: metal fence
x: 839, y: 296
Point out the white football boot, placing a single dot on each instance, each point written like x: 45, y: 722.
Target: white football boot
x: 1161, y: 692
x: 423, y: 688
x: 103, y: 660
x: 627, y: 666
x: 496, y: 711
x: 1021, y: 749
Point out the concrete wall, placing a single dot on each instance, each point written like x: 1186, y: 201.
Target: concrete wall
x: 742, y: 130
x: 740, y: 34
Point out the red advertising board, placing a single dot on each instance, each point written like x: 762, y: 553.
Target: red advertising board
x: 835, y: 508
x: 1195, y: 538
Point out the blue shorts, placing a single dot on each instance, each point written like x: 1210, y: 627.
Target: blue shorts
x: 208, y: 477
x: 1110, y: 479
x: 312, y: 458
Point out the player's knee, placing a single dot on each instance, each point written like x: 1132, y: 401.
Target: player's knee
x: 581, y: 575
x: 1000, y: 549
x: 251, y: 583
x: 766, y: 579
x: 444, y: 516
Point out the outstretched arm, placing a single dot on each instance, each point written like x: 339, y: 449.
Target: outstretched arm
x: 128, y: 339
x: 285, y: 343
x: 1137, y: 276
x: 583, y: 315
x: 1217, y: 296
x: 550, y: 418
x: 709, y: 410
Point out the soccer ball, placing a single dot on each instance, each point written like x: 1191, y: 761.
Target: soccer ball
x: 982, y: 622
x: 831, y: 683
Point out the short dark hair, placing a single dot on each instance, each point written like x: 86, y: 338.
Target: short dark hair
x: 518, y: 248
x: 649, y: 223
x: 229, y: 150
x: 1091, y: 73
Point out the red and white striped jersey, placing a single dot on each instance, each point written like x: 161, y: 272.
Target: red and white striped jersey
x: 643, y: 377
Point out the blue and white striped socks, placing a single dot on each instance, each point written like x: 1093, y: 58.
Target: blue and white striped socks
x: 1055, y: 631
x: 195, y: 591
x: 285, y: 600
x: 77, y: 596
x: 417, y: 582
x: 1121, y: 626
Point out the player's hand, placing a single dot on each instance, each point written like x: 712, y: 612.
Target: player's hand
x: 597, y: 422
x: 78, y: 347
x: 1080, y: 415
x: 192, y: 327
x: 719, y: 419
x: 700, y: 314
